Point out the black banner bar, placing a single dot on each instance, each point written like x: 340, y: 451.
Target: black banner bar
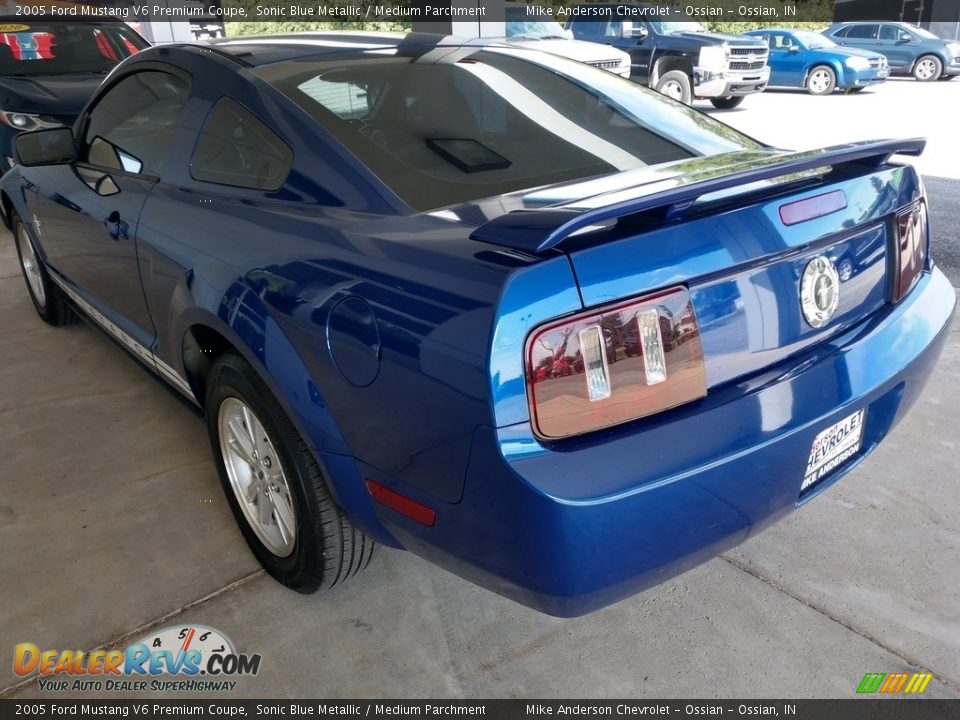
x: 853, y: 709
x: 755, y: 11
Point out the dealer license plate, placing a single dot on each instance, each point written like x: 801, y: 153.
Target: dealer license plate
x: 833, y: 447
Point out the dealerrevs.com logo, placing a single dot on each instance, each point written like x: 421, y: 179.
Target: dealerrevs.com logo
x: 183, y: 658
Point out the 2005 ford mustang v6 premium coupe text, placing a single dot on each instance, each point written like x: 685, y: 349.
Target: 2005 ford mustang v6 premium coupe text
x: 552, y: 331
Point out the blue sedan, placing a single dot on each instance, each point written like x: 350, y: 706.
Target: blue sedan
x: 552, y: 331
x: 805, y: 59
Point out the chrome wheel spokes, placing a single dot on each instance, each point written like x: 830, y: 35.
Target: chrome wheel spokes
x: 820, y: 81
x: 673, y: 90
x: 257, y: 477
x: 926, y: 68
x: 31, y: 267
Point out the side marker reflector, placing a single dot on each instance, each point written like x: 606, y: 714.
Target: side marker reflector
x: 402, y: 504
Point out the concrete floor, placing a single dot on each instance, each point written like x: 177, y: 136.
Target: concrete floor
x: 112, y: 521
x: 899, y: 108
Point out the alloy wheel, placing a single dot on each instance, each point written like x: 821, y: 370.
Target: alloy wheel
x: 257, y: 477
x: 672, y: 89
x: 31, y: 267
x: 926, y: 69
x: 819, y: 81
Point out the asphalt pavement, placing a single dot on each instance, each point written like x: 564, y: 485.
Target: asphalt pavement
x: 113, y: 524
x: 900, y: 108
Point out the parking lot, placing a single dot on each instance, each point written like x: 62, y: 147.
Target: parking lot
x: 112, y: 522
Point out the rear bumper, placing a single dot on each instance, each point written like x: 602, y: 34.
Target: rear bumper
x: 709, y: 84
x: 575, y: 527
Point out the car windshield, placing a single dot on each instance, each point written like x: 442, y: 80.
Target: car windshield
x: 28, y: 49
x: 666, y: 28
x: 479, y: 122
x: 520, y: 26
x: 812, y: 40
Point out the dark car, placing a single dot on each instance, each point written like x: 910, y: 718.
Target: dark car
x: 542, y: 326
x: 680, y: 59
x: 910, y: 50
x: 803, y: 58
x: 49, y: 70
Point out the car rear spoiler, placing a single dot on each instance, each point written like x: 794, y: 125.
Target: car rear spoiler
x: 540, y: 230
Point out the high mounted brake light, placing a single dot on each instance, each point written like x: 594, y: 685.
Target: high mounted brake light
x: 609, y: 366
x: 910, y: 253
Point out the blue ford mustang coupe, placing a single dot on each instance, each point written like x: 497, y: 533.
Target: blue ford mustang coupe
x: 549, y: 330
x: 805, y: 59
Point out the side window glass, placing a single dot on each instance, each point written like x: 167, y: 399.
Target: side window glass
x: 131, y: 127
x: 588, y: 29
x: 889, y: 32
x: 863, y: 32
x: 236, y: 149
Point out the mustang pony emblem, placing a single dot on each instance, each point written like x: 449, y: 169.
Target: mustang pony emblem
x: 819, y: 291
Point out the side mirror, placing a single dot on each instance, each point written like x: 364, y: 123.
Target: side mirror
x: 793, y: 49
x: 44, y: 147
x: 904, y: 39
x: 629, y: 30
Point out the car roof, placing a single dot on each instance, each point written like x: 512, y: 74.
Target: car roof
x: 268, y: 49
x: 868, y: 22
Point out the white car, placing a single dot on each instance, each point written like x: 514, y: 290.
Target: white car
x: 525, y: 29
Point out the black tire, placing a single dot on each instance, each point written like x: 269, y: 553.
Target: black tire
x: 676, y: 80
x: 821, y: 80
x: 927, y: 68
x: 727, y: 103
x: 52, y: 307
x: 328, y: 548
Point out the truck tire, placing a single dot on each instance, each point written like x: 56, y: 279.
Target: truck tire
x: 676, y: 84
x: 727, y: 103
x: 276, y: 490
x: 927, y: 68
x: 821, y: 80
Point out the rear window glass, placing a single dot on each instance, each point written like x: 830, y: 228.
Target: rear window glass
x: 235, y: 148
x: 475, y: 123
x: 64, y: 48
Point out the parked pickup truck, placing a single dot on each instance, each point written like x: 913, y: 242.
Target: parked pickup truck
x: 525, y: 28
x: 680, y: 59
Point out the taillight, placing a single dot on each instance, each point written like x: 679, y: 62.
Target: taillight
x: 613, y: 365
x: 910, y: 255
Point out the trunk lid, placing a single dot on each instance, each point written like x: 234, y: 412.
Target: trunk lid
x: 716, y: 225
